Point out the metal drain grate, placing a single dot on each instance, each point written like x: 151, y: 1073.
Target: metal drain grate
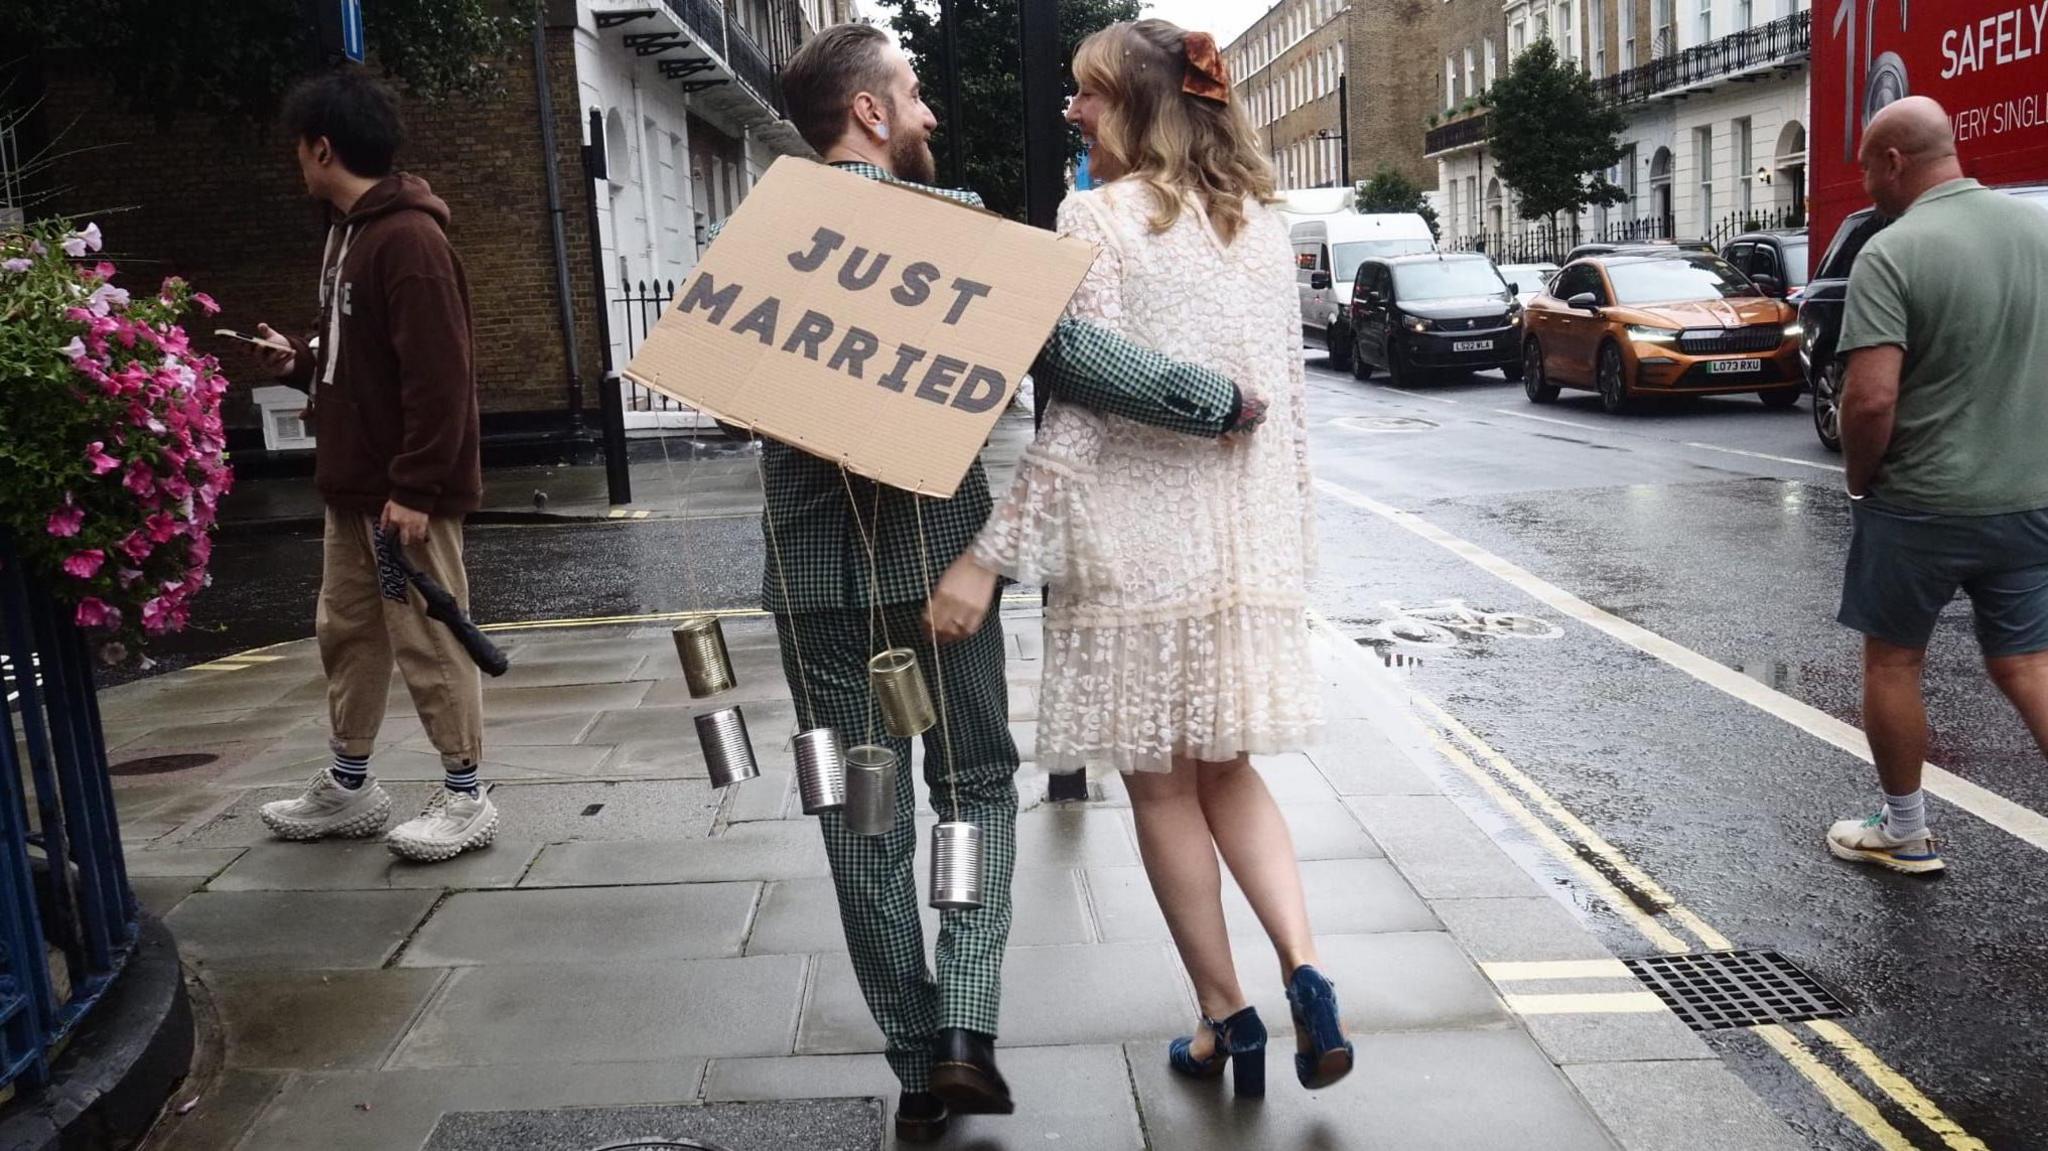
x: 1720, y: 989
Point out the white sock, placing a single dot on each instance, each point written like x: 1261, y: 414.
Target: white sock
x: 1905, y: 816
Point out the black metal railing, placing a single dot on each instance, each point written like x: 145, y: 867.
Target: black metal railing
x: 68, y: 919
x: 641, y: 304
x: 1780, y: 40
x: 1532, y: 242
x: 705, y: 19
x: 752, y: 66
x: 1456, y: 134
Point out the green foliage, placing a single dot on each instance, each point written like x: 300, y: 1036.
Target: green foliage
x: 1390, y: 191
x: 237, y: 57
x: 1552, y: 136
x: 991, y: 83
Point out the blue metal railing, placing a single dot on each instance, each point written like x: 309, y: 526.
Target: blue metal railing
x: 68, y: 918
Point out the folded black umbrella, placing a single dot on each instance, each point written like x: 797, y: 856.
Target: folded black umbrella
x: 442, y: 606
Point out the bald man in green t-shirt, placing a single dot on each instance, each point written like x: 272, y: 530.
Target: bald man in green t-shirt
x: 1944, y: 422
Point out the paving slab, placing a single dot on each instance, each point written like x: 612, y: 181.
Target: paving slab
x: 221, y: 1111
x: 1327, y: 830
x: 772, y: 795
x: 1345, y: 897
x: 1413, y: 981
x: 1052, y: 996
x: 1294, y: 779
x: 1441, y: 851
x: 504, y: 727
x: 317, y: 1020
x: 807, y: 1125
x: 608, y: 1011
x: 1073, y: 1098
x: 567, y: 925
x: 589, y: 697
x: 801, y: 916
x: 768, y: 721
x: 1616, y: 1038
x: 1061, y: 837
x: 1681, y: 1106
x: 664, y: 758
x: 158, y: 895
x: 769, y: 850
x: 296, y: 929
x: 1518, y: 928
x: 216, y: 728
x: 1358, y: 759
x: 397, y: 1111
x: 539, y: 668
x: 614, y: 810
x: 200, y: 861
x: 368, y: 865
x: 1416, y: 1092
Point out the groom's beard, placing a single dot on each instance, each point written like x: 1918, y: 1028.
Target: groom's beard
x: 912, y: 160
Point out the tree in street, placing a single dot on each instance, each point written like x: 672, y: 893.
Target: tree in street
x: 1390, y: 191
x: 1553, y: 137
x: 991, y: 82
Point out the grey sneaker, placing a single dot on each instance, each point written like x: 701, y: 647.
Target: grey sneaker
x: 327, y: 808
x: 449, y: 825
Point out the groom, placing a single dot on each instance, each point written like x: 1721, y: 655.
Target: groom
x: 850, y: 572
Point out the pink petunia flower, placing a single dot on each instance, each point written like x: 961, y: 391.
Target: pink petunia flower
x: 17, y: 264
x: 136, y: 546
x: 65, y: 521
x: 75, y: 349
x: 84, y: 564
x: 206, y: 303
x: 102, y: 463
x: 94, y: 612
x: 79, y: 243
x: 161, y: 527
x: 139, y: 479
x: 105, y: 299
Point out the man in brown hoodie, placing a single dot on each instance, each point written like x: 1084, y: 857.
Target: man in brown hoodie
x: 394, y: 410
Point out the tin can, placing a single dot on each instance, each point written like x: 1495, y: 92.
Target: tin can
x: 728, y: 754
x: 707, y: 666
x: 898, y: 684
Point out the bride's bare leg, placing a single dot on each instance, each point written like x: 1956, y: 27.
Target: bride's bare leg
x: 1180, y: 860
x: 1248, y: 828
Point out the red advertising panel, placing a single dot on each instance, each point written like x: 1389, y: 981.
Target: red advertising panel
x: 1986, y: 61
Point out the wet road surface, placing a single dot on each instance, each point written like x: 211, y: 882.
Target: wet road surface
x: 1675, y: 520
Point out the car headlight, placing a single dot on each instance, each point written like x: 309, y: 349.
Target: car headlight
x: 1643, y: 335
x: 1514, y: 313
x: 1793, y: 330
x: 1416, y: 323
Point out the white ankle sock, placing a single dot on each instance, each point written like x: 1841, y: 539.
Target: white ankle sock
x: 1906, y: 815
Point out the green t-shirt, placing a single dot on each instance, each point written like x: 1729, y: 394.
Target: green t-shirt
x: 1960, y: 282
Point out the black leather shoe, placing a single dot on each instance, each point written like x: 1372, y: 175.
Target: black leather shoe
x: 921, y: 1117
x: 964, y: 1073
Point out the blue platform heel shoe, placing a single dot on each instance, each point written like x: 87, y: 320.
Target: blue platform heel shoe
x: 1240, y: 1042
x: 1314, y: 1003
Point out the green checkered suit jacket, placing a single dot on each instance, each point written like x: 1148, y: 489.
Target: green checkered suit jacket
x: 823, y: 521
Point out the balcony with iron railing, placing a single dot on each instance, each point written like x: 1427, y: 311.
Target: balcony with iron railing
x: 702, y: 45
x: 1781, y: 41
x: 1467, y: 132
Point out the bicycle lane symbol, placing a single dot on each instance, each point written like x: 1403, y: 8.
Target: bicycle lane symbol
x: 1448, y: 621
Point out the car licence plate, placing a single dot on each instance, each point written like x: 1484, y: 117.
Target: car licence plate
x: 1733, y: 367
x: 1472, y: 345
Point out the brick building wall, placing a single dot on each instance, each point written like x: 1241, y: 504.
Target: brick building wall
x: 1396, y: 82
x: 221, y: 203
x: 1285, y: 69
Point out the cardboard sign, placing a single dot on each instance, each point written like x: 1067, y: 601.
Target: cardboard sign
x: 873, y: 325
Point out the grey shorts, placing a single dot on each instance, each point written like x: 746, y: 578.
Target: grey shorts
x: 1905, y: 566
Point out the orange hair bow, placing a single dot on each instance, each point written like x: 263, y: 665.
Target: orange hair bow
x: 1206, y: 75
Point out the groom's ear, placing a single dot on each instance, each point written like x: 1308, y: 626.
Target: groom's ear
x: 868, y: 115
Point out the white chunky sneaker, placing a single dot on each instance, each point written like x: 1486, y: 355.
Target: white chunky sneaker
x: 449, y: 825
x: 327, y: 808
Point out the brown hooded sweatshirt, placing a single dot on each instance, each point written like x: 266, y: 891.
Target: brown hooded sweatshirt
x: 394, y: 389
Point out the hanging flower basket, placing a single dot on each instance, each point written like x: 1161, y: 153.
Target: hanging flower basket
x: 112, y: 457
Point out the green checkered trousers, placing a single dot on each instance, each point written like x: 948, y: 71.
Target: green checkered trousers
x: 970, y: 765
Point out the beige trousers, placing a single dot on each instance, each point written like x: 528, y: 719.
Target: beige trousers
x: 360, y: 633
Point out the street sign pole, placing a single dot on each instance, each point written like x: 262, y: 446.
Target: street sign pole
x: 340, y: 25
x: 1045, y: 170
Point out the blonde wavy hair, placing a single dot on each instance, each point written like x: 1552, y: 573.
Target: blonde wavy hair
x: 1175, y: 143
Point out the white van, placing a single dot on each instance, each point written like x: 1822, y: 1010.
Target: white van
x: 1327, y: 252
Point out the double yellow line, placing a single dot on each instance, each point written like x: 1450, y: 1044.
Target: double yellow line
x: 1494, y: 774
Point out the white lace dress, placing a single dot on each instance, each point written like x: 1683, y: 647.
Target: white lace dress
x: 1176, y: 624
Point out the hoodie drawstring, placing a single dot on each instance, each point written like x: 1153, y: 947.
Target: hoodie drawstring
x: 332, y: 256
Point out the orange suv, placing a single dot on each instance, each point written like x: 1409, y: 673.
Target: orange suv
x: 1669, y: 323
